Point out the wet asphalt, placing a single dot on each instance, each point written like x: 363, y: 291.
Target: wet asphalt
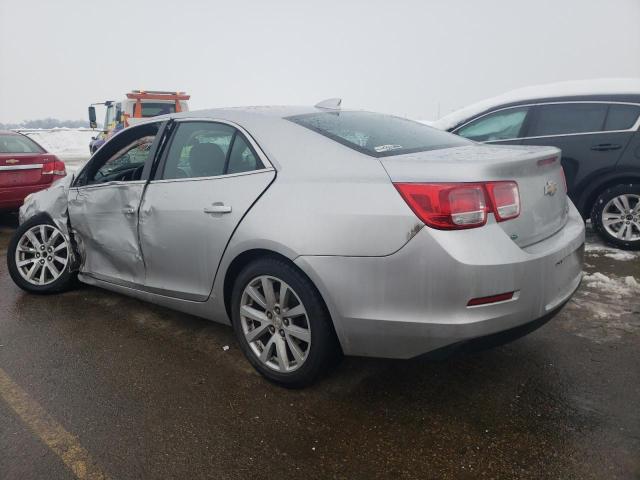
x: 151, y: 393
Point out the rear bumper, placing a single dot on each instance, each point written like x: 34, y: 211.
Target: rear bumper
x: 12, y: 198
x: 415, y: 301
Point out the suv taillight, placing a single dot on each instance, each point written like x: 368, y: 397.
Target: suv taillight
x: 55, y: 167
x: 455, y: 206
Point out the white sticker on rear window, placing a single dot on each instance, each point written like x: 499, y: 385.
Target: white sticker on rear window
x: 386, y: 148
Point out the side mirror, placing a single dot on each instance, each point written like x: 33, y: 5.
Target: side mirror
x: 92, y: 117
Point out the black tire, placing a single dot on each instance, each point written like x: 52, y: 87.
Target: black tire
x: 67, y: 277
x: 596, y: 215
x: 324, y: 350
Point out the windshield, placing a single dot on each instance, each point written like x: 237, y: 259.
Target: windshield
x: 18, y: 144
x: 377, y: 134
x: 150, y: 109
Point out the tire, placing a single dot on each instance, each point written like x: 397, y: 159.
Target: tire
x: 279, y: 324
x: 57, y: 263
x: 621, y: 202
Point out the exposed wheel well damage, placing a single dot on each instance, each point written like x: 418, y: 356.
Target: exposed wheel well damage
x: 249, y: 256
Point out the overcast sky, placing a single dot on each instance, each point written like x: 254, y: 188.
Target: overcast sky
x: 412, y: 58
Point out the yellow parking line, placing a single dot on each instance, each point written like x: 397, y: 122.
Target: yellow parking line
x: 62, y: 443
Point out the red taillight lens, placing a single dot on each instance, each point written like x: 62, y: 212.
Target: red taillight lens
x: 505, y: 198
x: 55, y: 168
x: 455, y: 206
x: 446, y: 206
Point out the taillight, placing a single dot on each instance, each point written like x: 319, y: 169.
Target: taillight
x: 55, y: 168
x: 447, y: 206
x: 505, y: 199
x: 455, y: 206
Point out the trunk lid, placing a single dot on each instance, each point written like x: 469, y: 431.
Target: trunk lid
x: 544, y: 204
x: 23, y: 169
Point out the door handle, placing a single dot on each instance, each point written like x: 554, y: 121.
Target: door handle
x: 129, y: 211
x: 218, y: 207
x: 603, y: 147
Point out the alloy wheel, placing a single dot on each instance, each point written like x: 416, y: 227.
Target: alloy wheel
x: 621, y: 217
x: 42, y: 255
x: 275, y: 324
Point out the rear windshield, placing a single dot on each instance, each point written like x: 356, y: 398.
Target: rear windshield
x: 18, y: 144
x: 376, y: 134
x: 150, y: 109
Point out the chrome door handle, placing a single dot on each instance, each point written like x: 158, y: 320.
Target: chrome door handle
x: 129, y: 211
x: 218, y: 207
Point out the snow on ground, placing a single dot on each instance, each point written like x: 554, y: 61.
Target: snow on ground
x: 70, y: 144
x: 548, y: 90
x: 610, y: 293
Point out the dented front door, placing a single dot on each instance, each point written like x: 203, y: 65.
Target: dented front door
x: 104, y: 219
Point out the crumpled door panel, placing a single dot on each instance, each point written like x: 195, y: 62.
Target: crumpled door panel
x: 104, y: 220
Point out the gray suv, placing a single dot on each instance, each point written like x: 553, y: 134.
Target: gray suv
x: 600, y: 143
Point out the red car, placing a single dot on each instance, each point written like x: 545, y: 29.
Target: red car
x: 25, y: 167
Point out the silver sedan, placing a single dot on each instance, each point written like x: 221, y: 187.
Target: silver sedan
x: 314, y: 231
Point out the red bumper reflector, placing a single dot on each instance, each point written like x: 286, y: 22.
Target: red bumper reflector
x: 491, y: 299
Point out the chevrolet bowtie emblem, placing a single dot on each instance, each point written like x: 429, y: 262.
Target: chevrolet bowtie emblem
x: 550, y: 188
x: 11, y: 161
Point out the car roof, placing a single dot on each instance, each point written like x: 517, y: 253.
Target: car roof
x: 603, y: 89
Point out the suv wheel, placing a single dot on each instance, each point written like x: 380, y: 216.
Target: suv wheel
x: 282, y: 324
x: 39, y: 257
x: 616, y: 216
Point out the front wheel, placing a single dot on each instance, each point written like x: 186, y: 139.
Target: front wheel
x: 282, y: 324
x: 616, y: 216
x: 39, y: 257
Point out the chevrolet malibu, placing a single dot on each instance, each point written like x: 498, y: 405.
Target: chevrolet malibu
x: 314, y: 232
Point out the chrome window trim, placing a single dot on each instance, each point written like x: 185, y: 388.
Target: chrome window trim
x: 114, y: 183
x: 214, y: 177
x: 633, y: 128
x: 30, y: 166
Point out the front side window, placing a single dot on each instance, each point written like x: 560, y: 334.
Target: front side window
x: 127, y: 164
x: 18, y: 144
x: 568, y: 118
x: 376, y: 134
x: 621, y: 117
x: 502, y: 125
x: 122, y: 158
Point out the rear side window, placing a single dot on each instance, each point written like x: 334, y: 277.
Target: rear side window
x: 198, y: 149
x: 562, y: 119
x: 621, y: 117
x: 208, y: 149
x: 18, y: 144
x: 502, y: 125
x: 242, y: 158
x: 377, y: 134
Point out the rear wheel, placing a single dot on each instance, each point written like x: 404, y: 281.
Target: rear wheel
x: 282, y: 324
x: 616, y: 216
x: 39, y: 257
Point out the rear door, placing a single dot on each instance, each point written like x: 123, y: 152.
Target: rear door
x: 210, y: 175
x: 591, y: 135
